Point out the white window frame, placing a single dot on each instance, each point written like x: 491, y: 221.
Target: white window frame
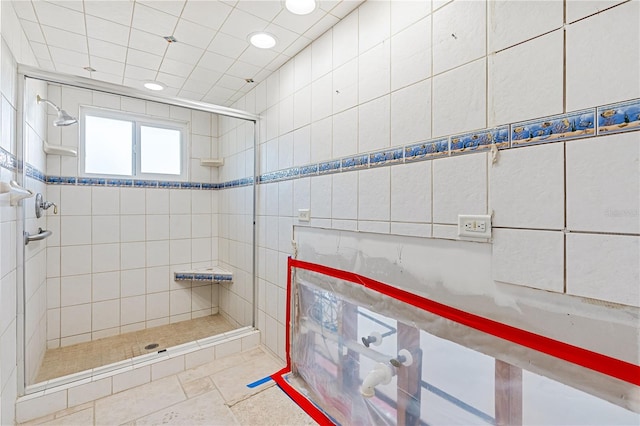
x: 138, y: 121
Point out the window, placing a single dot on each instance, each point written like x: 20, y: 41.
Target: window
x: 118, y: 144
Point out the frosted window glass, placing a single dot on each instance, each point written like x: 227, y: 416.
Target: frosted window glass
x: 108, y: 146
x: 160, y: 150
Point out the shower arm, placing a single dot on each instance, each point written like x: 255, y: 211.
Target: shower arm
x: 48, y: 102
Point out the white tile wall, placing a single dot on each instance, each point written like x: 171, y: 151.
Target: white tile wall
x: 598, y: 37
x: 459, y: 34
x: 529, y: 258
x: 373, y: 127
x: 345, y: 86
x: 452, y: 86
x: 542, y: 80
x: 604, y: 267
x: 521, y: 195
x: 344, y: 205
x: 345, y: 133
x: 374, y: 191
x: 465, y: 176
x: 578, y: 9
x: 411, y: 53
x: 374, y: 24
x: 510, y: 22
x: 411, y: 113
x: 462, y: 86
x: 345, y: 40
x: 374, y: 71
x: 411, y: 193
x: 603, y: 184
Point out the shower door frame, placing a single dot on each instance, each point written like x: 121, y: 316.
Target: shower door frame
x: 24, y: 72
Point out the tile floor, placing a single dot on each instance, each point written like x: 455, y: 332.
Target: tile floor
x: 211, y: 394
x: 84, y: 356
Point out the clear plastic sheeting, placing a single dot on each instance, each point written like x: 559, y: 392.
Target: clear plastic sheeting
x: 364, y: 357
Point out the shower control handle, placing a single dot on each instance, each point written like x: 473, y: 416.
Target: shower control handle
x: 44, y: 205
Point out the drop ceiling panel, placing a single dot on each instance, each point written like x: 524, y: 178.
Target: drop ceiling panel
x: 211, y: 14
x: 68, y: 57
x: 65, y: 39
x: 213, y: 61
x: 123, y: 40
x: 193, y: 34
x: 241, y: 24
x: 153, y: 21
x: 104, y: 30
x: 33, y: 31
x: 106, y: 65
x: 24, y: 10
x: 142, y: 59
x: 263, y: 9
x: 115, y: 10
x: 151, y: 43
x: 107, y: 50
x: 227, y: 45
x: 178, y: 68
x: 60, y: 17
x: 167, y: 6
x: 184, y: 53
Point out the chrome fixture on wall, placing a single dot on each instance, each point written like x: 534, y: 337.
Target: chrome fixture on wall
x: 44, y: 205
x: 63, y: 119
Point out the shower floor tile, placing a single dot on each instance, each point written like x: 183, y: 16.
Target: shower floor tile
x: 84, y: 356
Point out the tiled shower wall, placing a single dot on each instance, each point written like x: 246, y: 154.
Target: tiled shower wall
x: 111, y: 258
x: 396, y: 73
x: 14, y: 48
x: 235, y: 219
x: 35, y: 128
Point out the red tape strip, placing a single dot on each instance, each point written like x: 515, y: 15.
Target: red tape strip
x: 314, y: 412
x: 592, y: 360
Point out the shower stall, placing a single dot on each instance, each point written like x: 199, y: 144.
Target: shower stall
x: 118, y: 269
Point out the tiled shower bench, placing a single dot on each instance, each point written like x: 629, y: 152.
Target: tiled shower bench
x: 213, y: 274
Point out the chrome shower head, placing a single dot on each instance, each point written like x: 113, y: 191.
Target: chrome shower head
x: 63, y: 119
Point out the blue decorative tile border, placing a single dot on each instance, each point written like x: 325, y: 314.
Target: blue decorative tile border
x: 621, y: 117
x: 386, y: 158
x: 357, y: 162
x: 603, y: 120
x: 34, y: 173
x: 426, y: 150
x: 8, y: 160
x: 479, y: 141
x: 574, y: 125
x: 329, y: 167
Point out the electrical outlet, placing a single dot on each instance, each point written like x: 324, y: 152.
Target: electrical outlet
x: 304, y: 215
x: 476, y: 226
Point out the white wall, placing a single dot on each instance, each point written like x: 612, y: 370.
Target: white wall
x: 393, y: 73
x: 113, y: 252
x: 14, y: 49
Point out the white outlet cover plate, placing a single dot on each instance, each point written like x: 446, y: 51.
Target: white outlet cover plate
x: 304, y: 215
x: 474, y: 225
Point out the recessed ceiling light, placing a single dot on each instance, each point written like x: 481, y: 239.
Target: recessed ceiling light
x: 262, y: 40
x: 300, y: 7
x: 154, y: 85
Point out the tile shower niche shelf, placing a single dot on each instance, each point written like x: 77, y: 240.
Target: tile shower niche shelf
x: 213, y: 274
x: 212, y: 162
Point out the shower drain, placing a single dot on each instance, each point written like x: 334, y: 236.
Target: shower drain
x: 151, y: 346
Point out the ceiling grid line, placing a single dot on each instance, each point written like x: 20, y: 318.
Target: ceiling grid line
x: 211, y: 60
